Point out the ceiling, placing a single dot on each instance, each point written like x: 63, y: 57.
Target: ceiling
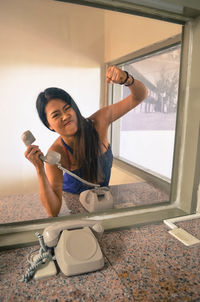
x: 187, y: 8
x: 178, y: 11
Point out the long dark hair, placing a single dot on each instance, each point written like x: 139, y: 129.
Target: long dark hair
x: 86, y: 146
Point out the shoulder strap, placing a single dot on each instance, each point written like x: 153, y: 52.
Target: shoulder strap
x: 104, y: 146
x: 67, y: 149
x: 67, y: 146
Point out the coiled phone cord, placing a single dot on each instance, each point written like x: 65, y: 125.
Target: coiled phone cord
x: 44, y: 253
x: 41, y: 242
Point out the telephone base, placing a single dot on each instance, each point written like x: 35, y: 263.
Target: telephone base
x: 48, y: 269
x: 78, y: 252
x: 98, y: 199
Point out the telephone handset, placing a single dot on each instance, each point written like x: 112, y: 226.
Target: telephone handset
x: 52, y: 157
x: 51, y: 233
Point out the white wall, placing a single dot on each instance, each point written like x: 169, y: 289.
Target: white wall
x: 43, y: 43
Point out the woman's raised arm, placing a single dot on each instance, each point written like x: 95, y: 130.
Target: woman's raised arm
x: 138, y: 92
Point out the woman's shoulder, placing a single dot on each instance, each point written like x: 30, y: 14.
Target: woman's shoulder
x: 99, y: 114
x: 100, y: 118
x: 57, y: 145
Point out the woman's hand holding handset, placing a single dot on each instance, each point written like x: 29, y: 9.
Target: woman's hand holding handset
x: 34, y: 154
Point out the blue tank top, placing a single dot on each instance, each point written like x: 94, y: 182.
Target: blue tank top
x: 73, y: 185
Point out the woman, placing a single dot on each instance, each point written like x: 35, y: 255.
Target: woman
x: 83, y: 143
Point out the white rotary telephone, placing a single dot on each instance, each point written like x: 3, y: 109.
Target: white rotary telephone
x: 75, y: 246
x: 76, y: 249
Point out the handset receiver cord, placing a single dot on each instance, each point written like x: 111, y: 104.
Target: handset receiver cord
x: 77, y: 177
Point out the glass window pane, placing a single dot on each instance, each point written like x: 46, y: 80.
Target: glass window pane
x: 147, y: 132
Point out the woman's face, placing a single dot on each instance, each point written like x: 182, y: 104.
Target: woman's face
x: 61, y: 117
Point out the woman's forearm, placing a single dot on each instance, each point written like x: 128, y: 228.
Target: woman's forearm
x: 50, y: 200
x: 138, y: 90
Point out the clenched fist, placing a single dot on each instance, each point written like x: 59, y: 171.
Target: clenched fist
x: 115, y: 75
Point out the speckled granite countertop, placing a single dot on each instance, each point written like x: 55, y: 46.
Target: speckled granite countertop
x: 142, y: 264
x: 24, y: 207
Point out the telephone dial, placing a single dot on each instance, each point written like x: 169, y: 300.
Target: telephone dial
x: 93, y: 200
x: 73, y: 244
